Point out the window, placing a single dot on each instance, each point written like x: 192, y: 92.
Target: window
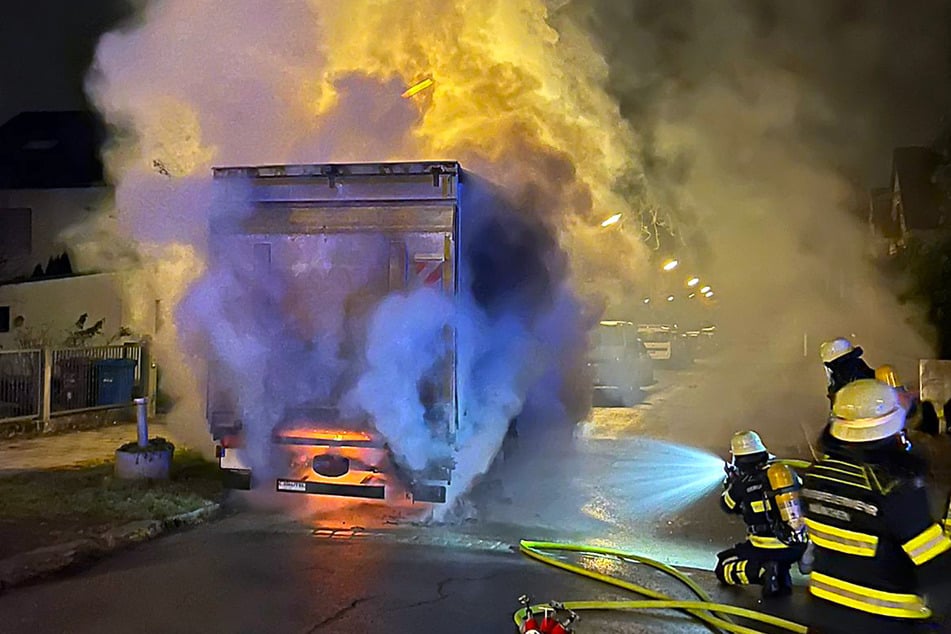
x: 4, y: 319
x: 16, y: 232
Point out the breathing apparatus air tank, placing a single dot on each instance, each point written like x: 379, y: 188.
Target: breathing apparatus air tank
x: 785, y: 495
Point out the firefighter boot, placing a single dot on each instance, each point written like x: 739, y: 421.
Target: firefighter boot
x: 777, y: 581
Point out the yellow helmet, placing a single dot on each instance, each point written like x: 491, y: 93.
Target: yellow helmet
x: 745, y: 443
x: 866, y: 410
x: 835, y: 348
x: 886, y: 374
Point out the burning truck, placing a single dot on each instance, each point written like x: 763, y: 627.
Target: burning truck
x: 343, y: 236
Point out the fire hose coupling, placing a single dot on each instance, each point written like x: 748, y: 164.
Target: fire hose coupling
x: 532, y: 619
x: 553, y: 618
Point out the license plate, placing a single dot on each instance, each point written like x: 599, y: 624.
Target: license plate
x: 290, y: 485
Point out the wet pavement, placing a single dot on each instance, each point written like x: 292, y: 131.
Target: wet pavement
x: 644, y: 479
x: 256, y: 573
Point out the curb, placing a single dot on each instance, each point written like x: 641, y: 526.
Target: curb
x: 42, y: 562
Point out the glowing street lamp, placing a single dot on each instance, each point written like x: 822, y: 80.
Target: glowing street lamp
x: 647, y: 300
x: 670, y: 265
x: 612, y: 220
x: 708, y: 294
x: 693, y: 281
x: 691, y: 295
x: 705, y: 290
x: 670, y: 298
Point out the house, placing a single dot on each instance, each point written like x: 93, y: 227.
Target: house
x: 885, y: 230
x: 916, y: 199
x: 51, y: 179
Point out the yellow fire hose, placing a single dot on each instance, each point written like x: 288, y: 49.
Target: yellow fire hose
x: 705, y: 610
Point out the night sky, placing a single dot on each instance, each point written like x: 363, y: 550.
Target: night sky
x: 47, y: 45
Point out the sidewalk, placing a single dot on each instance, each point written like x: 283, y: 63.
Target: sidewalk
x: 61, y: 504
x: 40, y: 453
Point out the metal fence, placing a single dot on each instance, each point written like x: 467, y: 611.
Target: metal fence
x: 21, y: 376
x: 96, y: 377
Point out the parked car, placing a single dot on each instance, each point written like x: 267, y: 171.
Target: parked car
x: 658, y: 339
x: 621, y: 364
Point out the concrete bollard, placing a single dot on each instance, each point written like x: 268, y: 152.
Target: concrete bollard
x: 144, y: 465
x: 142, y: 421
x: 144, y: 459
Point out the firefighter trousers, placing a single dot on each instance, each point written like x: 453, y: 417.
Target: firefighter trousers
x: 743, y: 564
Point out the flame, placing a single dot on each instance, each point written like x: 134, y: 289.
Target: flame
x: 508, y: 94
x: 513, y: 92
x: 334, y: 435
x: 511, y: 96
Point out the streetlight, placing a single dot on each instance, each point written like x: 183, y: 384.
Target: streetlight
x: 671, y: 264
x: 691, y: 295
x: 647, y: 300
x: 612, y: 220
x: 705, y: 290
x: 708, y: 294
x: 670, y: 298
x: 693, y: 281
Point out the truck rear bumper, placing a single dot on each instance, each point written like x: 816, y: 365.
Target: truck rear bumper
x: 366, y: 482
x: 239, y: 479
x: 435, y: 494
x: 366, y: 491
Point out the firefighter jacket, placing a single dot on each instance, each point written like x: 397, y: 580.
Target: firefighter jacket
x: 867, y: 512
x: 747, y: 492
x: 846, y: 369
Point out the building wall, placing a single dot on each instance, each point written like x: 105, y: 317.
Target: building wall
x: 51, y: 212
x: 55, y: 305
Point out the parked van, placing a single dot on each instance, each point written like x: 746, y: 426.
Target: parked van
x: 621, y: 364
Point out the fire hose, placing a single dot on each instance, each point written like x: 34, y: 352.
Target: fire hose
x: 705, y: 609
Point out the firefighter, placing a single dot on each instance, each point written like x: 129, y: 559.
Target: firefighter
x: 906, y: 398
x: 772, y: 546
x: 879, y: 550
x: 920, y: 416
x: 843, y: 363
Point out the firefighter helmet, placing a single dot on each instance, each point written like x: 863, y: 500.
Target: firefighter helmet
x: 866, y: 410
x: 745, y: 443
x: 832, y: 350
x: 886, y: 374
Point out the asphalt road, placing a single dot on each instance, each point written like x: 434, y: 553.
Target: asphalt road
x: 257, y: 574
x: 642, y: 478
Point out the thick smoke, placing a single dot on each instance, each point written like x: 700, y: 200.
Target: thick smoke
x: 192, y: 85
x: 519, y: 340
x: 737, y: 140
x: 762, y: 125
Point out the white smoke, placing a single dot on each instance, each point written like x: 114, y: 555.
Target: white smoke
x: 192, y: 85
x: 407, y: 344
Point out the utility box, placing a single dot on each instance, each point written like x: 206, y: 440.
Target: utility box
x: 115, y: 379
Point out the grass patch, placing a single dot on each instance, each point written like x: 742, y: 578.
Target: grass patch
x: 91, y: 493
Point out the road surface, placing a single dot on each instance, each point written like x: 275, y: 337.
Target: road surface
x: 642, y: 478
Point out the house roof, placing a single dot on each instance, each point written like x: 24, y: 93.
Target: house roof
x: 913, y: 170
x: 44, y: 150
